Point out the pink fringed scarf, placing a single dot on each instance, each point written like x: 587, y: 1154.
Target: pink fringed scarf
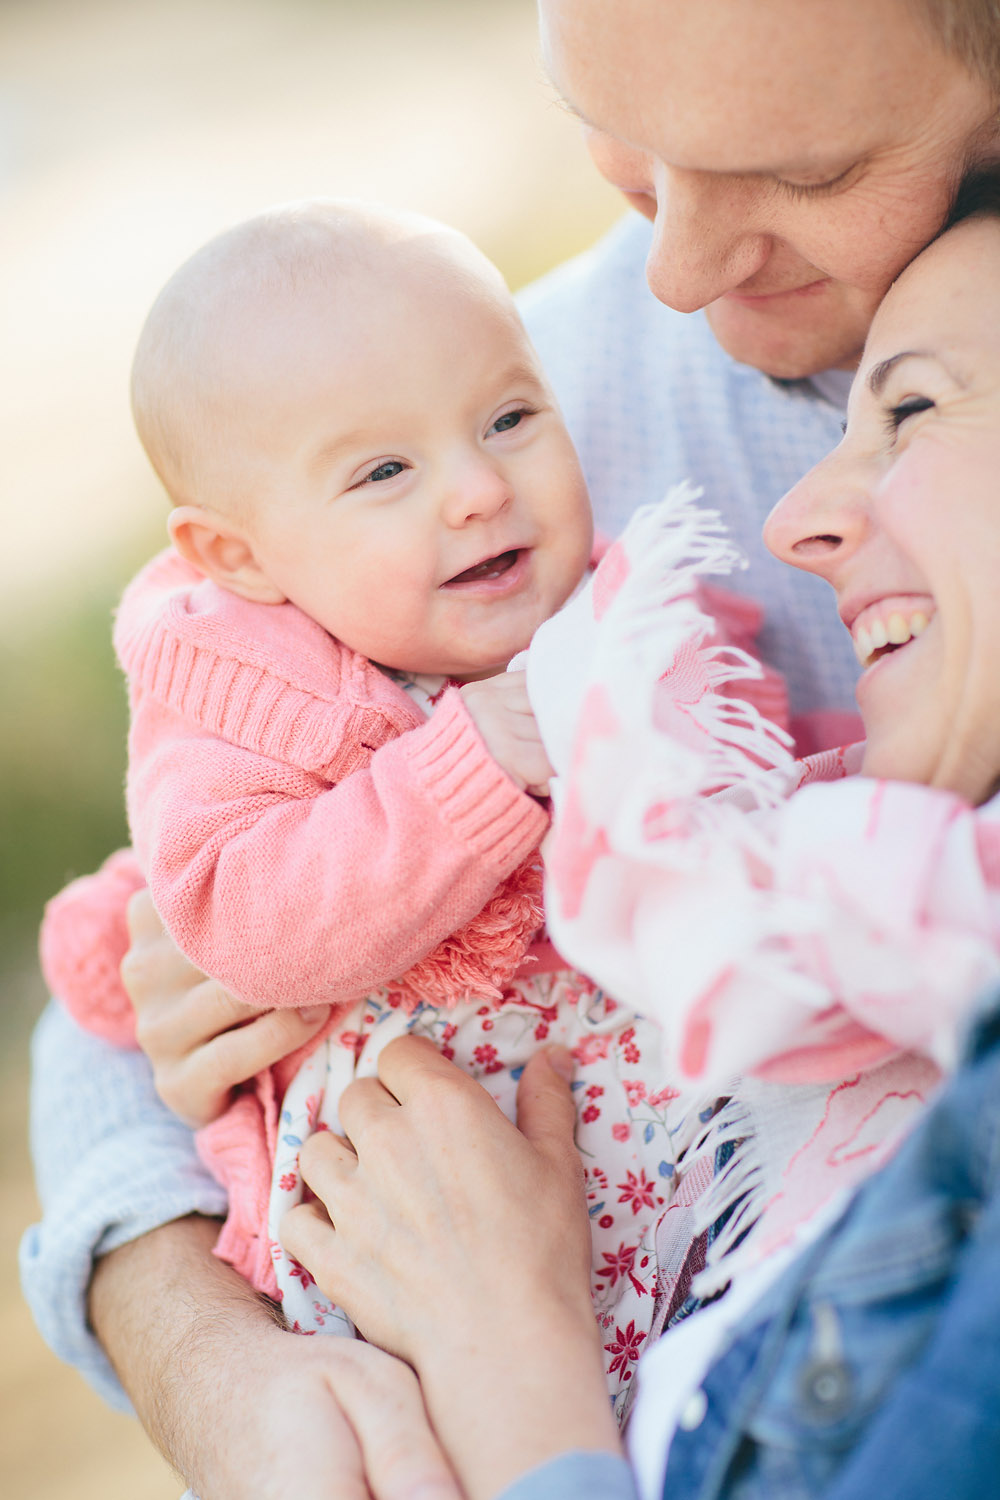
x: 807, y: 938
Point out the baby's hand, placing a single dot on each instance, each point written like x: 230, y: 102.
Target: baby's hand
x: 501, y: 712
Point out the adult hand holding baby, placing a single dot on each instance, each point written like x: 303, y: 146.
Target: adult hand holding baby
x: 500, y: 710
x: 200, y: 1042
x: 427, y: 1209
x: 258, y: 1411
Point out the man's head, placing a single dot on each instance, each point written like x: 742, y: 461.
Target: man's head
x: 345, y: 408
x: 793, y: 157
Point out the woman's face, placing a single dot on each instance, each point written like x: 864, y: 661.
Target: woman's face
x: 903, y: 519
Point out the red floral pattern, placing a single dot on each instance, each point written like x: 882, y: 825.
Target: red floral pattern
x: 625, y: 1349
x: 624, y: 1120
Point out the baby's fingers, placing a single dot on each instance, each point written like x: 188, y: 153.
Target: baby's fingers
x: 530, y: 767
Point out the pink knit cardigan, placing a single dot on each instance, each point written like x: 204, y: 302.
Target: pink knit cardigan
x: 307, y: 836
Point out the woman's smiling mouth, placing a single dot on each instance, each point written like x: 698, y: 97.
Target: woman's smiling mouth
x: 888, y: 624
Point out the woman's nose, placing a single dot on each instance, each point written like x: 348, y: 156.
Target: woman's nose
x: 704, y: 240
x: 821, y: 521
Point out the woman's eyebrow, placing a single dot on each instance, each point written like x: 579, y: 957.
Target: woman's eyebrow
x: 878, y: 376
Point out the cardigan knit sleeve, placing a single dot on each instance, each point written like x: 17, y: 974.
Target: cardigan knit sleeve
x: 306, y: 834
x: 294, y: 892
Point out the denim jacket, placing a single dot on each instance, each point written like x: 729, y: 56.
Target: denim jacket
x: 872, y: 1370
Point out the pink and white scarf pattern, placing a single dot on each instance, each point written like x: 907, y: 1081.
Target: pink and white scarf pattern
x: 813, y: 934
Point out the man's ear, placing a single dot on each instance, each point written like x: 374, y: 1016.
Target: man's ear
x: 221, y: 550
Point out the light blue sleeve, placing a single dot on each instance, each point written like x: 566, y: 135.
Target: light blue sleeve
x: 111, y: 1164
x: 576, y: 1476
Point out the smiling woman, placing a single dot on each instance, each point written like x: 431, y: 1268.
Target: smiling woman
x: 902, y: 517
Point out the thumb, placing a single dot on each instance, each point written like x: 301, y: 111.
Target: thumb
x: 546, y: 1114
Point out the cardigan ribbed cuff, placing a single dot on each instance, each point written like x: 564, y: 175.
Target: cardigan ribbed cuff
x: 451, y: 762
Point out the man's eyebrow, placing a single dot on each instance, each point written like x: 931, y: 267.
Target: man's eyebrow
x: 804, y: 168
x: 570, y: 107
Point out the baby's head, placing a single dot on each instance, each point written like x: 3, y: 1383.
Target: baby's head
x: 903, y: 518
x: 344, y: 407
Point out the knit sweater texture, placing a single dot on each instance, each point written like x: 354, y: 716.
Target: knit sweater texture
x: 307, y: 836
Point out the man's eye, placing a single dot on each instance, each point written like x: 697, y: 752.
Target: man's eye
x: 509, y: 419
x: 897, y: 415
x: 813, y: 189
x: 387, y: 470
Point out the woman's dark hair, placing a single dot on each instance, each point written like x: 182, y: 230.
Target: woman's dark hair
x: 978, y: 195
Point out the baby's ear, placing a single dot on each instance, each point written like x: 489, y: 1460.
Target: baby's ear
x: 222, y: 550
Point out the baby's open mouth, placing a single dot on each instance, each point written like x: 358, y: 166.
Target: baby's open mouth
x: 490, y: 567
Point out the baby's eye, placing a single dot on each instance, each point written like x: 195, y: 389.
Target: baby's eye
x: 510, y: 419
x: 388, y: 470
x: 897, y: 415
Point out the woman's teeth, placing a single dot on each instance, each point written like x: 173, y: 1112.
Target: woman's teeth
x: 880, y: 635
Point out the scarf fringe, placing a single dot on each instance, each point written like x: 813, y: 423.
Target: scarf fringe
x: 653, y: 618
x: 736, y: 1189
x: 651, y: 623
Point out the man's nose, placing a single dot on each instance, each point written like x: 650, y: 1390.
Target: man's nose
x: 476, y: 489
x: 705, y: 241
x: 821, y: 522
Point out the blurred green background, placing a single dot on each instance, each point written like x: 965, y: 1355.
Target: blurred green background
x: 130, y: 131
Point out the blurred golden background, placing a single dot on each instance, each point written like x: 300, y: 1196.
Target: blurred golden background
x: 130, y: 131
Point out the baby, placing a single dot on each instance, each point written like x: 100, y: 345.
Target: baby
x: 332, y: 777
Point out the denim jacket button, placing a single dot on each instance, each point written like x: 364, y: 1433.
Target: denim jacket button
x: 826, y: 1388
x: 693, y: 1411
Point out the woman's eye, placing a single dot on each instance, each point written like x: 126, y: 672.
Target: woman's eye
x: 388, y: 470
x: 897, y: 415
x: 510, y: 419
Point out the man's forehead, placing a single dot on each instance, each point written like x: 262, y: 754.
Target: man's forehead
x: 724, y: 85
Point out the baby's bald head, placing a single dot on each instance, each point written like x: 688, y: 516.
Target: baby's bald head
x: 241, y: 315
x: 349, y: 416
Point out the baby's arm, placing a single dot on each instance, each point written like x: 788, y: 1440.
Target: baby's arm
x: 293, y: 892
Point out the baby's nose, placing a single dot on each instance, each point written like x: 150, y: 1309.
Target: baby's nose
x: 478, y: 491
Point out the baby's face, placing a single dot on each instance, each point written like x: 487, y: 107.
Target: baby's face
x: 414, y: 488
x: 903, y: 519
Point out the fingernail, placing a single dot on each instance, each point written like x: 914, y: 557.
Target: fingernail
x: 560, y: 1060
x: 311, y: 1013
